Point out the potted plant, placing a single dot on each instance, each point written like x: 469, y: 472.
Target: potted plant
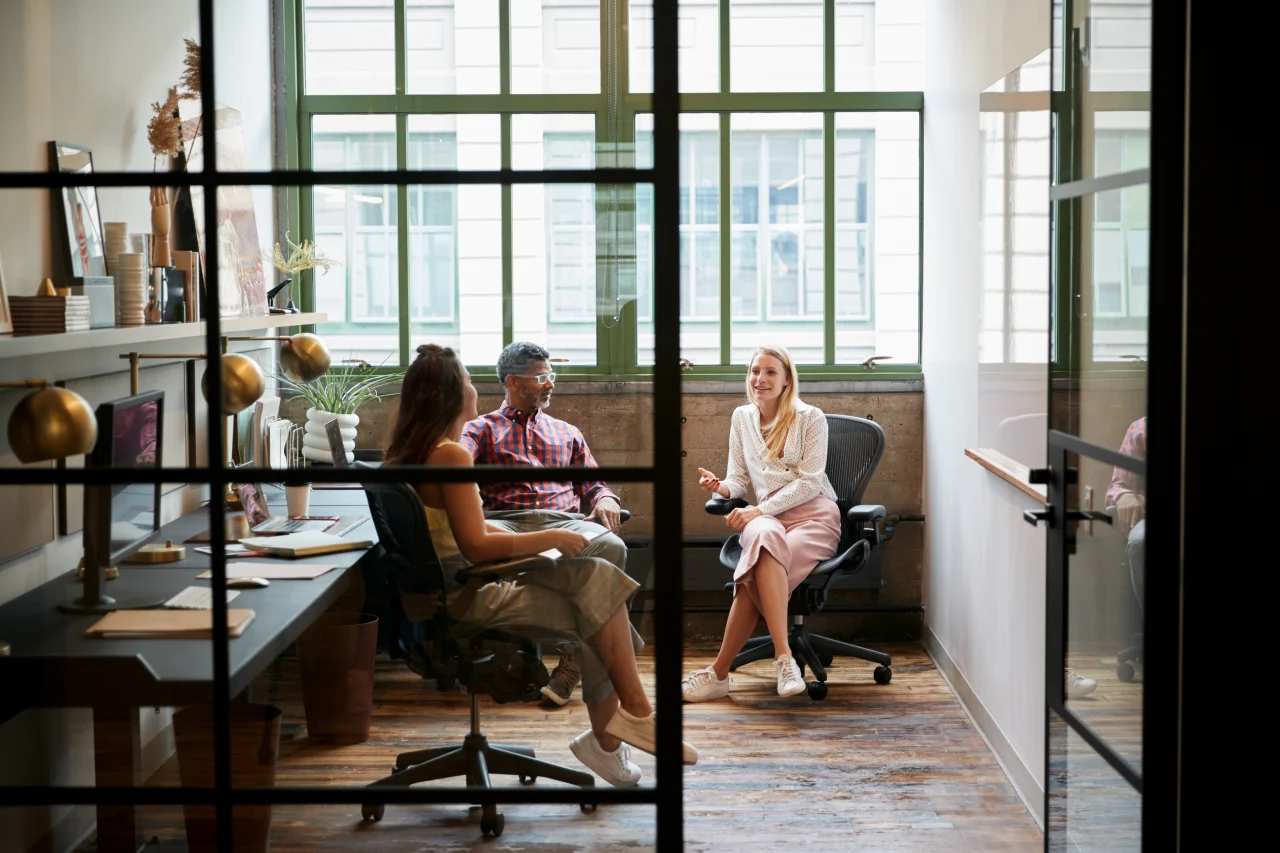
x: 339, y: 393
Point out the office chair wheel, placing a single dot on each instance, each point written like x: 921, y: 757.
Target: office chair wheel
x: 826, y: 660
x: 527, y: 780
x: 817, y: 690
x: 372, y: 811
x: 1124, y: 672
x: 492, y: 825
x: 883, y: 675
x: 587, y: 808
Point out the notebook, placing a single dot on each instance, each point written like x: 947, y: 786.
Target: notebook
x: 166, y: 624
x: 196, y: 598
x: 554, y: 553
x: 306, y: 544
x: 272, y: 571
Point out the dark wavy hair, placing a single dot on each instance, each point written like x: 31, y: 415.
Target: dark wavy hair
x: 430, y: 401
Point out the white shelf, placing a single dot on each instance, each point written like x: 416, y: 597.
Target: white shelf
x: 122, y: 337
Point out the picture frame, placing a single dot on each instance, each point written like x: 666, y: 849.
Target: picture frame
x: 79, y: 242
x: 6, y: 321
x: 254, y: 500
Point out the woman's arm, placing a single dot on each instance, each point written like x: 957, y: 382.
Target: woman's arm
x: 812, y: 470
x: 478, y: 542
x: 738, y: 477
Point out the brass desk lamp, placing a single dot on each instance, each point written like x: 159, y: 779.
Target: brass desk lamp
x: 50, y: 423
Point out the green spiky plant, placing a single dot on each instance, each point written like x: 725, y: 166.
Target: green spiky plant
x: 344, y: 388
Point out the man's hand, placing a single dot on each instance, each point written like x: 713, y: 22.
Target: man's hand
x: 1130, y: 509
x: 740, y: 518
x: 606, y: 513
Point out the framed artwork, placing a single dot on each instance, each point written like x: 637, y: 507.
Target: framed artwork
x: 254, y: 501
x: 80, y: 248
x: 6, y: 322
x: 242, y: 290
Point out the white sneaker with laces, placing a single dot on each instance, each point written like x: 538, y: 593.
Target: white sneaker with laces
x: 703, y: 685
x: 615, y: 767
x: 1078, y: 685
x: 790, y: 681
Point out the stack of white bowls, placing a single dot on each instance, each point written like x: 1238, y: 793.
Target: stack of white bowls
x: 117, y: 241
x: 131, y: 289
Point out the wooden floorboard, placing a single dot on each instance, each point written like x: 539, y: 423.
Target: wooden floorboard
x: 884, y: 768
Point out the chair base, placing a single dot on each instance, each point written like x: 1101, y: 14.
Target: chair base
x: 475, y: 759
x: 816, y: 652
x: 1126, y: 658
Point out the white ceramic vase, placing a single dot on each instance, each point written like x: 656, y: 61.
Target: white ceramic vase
x: 315, y: 443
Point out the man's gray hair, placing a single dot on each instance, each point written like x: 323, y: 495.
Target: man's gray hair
x: 516, y: 358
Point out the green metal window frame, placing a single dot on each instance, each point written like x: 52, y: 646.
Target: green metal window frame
x: 616, y: 351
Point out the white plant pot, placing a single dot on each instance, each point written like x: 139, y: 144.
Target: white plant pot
x: 315, y: 443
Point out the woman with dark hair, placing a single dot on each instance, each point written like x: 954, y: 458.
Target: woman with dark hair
x: 581, y: 599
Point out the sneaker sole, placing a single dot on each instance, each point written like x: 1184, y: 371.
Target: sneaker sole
x: 574, y: 748
x: 548, y: 693
x: 688, y: 698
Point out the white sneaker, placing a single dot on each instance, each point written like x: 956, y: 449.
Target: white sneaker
x: 1078, y: 685
x: 703, y: 685
x: 790, y: 681
x: 615, y: 767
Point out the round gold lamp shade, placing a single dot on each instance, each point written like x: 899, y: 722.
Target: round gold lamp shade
x: 52, y: 423
x: 242, y: 383
x: 304, y: 358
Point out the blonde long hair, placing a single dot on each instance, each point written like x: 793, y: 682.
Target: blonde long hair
x: 775, y: 432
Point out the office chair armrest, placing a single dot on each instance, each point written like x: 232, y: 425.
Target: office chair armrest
x: 724, y: 506
x: 865, y: 512
x: 624, y: 515
x: 489, y: 572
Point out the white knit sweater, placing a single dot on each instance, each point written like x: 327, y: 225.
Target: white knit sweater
x: 780, y: 484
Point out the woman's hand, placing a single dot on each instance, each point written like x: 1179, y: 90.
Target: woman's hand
x: 711, y: 483
x: 740, y: 518
x: 568, y: 543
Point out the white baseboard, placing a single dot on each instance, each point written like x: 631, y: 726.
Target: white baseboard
x: 1024, y: 780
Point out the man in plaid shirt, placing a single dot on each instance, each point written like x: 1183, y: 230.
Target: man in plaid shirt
x: 521, y: 433
x: 1128, y: 494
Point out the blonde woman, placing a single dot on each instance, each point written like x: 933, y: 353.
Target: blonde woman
x: 778, y: 447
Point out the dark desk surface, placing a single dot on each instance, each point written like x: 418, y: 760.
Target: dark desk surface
x: 53, y: 663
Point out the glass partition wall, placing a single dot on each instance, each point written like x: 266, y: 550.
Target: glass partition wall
x: 499, y: 170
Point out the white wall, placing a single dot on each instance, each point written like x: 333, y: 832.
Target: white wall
x: 984, y: 568
x: 85, y: 72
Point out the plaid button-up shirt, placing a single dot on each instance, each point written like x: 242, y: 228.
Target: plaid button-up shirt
x: 507, y: 437
x: 1123, y: 480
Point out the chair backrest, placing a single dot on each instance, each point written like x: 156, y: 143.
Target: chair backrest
x: 854, y: 449
x: 401, y: 523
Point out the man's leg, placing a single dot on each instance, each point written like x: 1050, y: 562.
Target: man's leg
x: 1136, y: 554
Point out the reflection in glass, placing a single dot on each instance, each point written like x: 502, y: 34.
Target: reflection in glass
x: 1092, y: 808
x: 356, y: 226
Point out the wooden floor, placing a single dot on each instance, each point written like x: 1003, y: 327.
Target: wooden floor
x: 883, y: 768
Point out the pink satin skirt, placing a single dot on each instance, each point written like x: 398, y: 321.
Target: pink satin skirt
x: 799, y: 539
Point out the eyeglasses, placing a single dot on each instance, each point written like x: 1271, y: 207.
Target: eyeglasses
x: 543, y: 378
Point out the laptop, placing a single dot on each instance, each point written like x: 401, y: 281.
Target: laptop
x: 263, y: 523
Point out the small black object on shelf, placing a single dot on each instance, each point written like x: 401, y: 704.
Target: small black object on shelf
x: 291, y: 308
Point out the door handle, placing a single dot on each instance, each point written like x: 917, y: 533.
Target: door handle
x: 1087, y: 515
x: 1035, y: 516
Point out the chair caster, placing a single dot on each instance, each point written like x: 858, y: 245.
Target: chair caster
x: 492, y: 825
x: 1124, y: 672
x: 372, y: 811
x: 527, y: 780
x: 826, y: 660
x: 817, y: 690
x: 587, y: 808
x: 883, y: 675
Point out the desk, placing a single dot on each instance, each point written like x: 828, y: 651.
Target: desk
x: 53, y: 664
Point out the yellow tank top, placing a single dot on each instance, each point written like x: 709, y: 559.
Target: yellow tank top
x: 438, y: 523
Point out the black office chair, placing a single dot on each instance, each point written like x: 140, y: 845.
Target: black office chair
x: 496, y: 663
x: 854, y: 448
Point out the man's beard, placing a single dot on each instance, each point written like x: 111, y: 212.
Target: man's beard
x: 544, y: 402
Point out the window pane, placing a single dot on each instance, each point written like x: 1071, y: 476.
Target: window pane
x: 553, y: 141
x: 452, y: 47
x: 356, y: 226
x: 777, y: 163
x: 878, y: 236
x: 555, y: 47
x: 699, y: 42
x: 879, y: 45
x: 699, y: 239
x: 455, y: 238
x: 350, y: 48
x: 775, y: 47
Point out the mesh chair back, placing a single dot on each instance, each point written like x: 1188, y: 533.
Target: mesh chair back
x: 402, y: 529
x: 854, y: 449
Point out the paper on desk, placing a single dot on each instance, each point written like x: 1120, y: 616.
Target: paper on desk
x: 272, y: 571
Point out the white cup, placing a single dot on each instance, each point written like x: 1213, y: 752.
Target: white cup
x: 298, y: 499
